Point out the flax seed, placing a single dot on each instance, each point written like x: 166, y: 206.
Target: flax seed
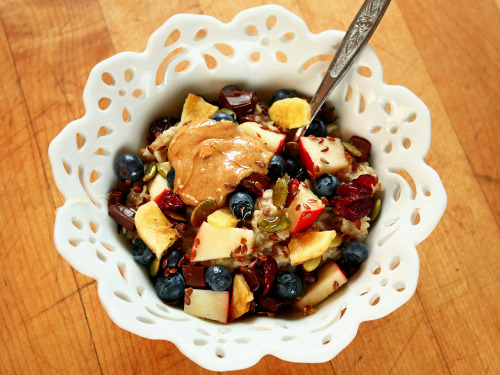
x: 285, y: 254
x: 323, y: 160
x: 330, y: 138
x: 187, y: 299
x: 150, y: 149
x: 294, y: 189
x: 306, y: 206
x: 324, y: 201
x: 157, y: 134
x: 306, y: 216
x: 229, y: 186
x: 312, y: 201
x: 264, y: 127
x: 233, y: 255
x: 321, y: 140
x: 274, y: 237
x: 266, y: 211
x: 243, y: 240
x: 324, y: 149
x: 297, y: 207
x: 173, y: 270
x: 310, y: 175
x: 258, y: 135
x: 275, y: 248
x: 161, y: 148
x: 336, y: 286
x: 262, y: 257
x: 313, y: 138
x: 241, y: 259
x: 316, y: 168
x: 237, y: 251
x: 258, y: 185
x: 260, y: 163
x: 164, y: 263
x: 193, y: 255
x: 244, y: 249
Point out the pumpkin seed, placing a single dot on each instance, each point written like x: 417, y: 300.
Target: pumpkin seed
x: 150, y: 172
x: 162, y: 170
x: 201, y: 212
x: 312, y: 264
x: 280, y: 192
x: 336, y: 242
x: 174, y: 215
x: 274, y: 224
x: 154, y: 267
x: 351, y: 149
x: 375, y: 209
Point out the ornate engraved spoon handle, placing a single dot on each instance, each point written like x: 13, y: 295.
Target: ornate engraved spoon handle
x: 358, y: 34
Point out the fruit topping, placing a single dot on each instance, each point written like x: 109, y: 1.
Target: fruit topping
x: 353, y: 200
x: 168, y: 200
x: 196, y: 108
x: 316, y: 128
x: 322, y: 155
x: 223, y: 218
x: 241, y: 205
x: 290, y: 113
x: 218, y: 277
x: 354, y: 252
x: 241, y: 102
x: 363, y: 145
x: 241, y: 299
x: 304, y: 209
x: 256, y: 183
x: 141, y: 252
x: 280, y: 192
x: 309, y: 245
x: 202, y: 211
x: 251, y: 277
x: 154, y: 228
x: 129, y: 168
x: 282, y: 94
x: 221, y: 116
x: 123, y: 215
x: 326, y: 186
x: 171, y: 177
x: 273, y: 140
x: 172, y: 259
x: 269, y: 270
x: 194, y: 276
x: 159, y: 125
x: 288, y: 285
x: 276, y: 168
x: 171, y: 288
x: 114, y: 196
x: 274, y: 224
x: 207, y: 304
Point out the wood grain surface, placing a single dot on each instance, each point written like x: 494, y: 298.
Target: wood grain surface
x: 447, y: 53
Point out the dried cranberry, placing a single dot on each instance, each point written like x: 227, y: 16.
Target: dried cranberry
x: 269, y: 268
x: 363, y: 145
x: 353, y: 200
x: 159, y: 126
x: 251, y: 277
x: 293, y: 189
x: 241, y: 102
x: 256, y: 183
x: 168, y: 200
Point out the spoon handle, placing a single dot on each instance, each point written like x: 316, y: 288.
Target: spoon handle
x: 358, y: 34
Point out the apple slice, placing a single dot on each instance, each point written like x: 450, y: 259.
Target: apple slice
x: 157, y: 185
x: 207, y: 304
x: 322, y: 155
x: 213, y: 242
x: 290, y: 113
x: 310, y: 245
x: 196, y: 108
x: 223, y: 218
x: 242, y: 297
x: 154, y: 228
x: 304, y: 209
x: 273, y: 141
x: 330, y: 279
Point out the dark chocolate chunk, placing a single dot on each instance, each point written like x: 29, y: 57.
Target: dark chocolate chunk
x: 123, y: 215
x: 194, y: 276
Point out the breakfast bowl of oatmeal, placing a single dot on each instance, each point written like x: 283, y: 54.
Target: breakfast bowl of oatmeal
x: 206, y: 224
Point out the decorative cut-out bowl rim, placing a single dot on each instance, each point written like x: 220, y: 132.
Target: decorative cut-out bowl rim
x: 400, y: 136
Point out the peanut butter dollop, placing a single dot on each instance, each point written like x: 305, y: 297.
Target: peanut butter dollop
x: 211, y: 158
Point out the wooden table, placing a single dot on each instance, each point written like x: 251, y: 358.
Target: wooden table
x: 446, y: 52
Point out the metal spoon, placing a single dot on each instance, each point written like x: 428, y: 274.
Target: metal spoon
x: 358, y: 34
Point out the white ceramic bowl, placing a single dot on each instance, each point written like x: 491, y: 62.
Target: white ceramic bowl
x: 142, y: 86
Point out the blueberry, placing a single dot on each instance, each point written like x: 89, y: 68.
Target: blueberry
x: 288, y: 285
x: 171, y: 177
x: 173, y: 258
x: 241, y: 205
x: 171, y: 288
x: 218, y: 277
x: 283, y: 94
x: 276, y: 168
x: 160, y: 125
x: 141, y: 252
x: 316, y: 128
x: 354, y: 252
x: 326, y: 186
x: 302, y: 174
x: 222, y: 116
x: 292, y: 167
x: 129, y: 167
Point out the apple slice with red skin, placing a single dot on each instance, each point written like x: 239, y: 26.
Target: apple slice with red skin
x: 322, y: 155
x: 273, y: 141
x: 213, y: 242
x: 330, y: 279
x: 304, y: 209
x: 207, y: 304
